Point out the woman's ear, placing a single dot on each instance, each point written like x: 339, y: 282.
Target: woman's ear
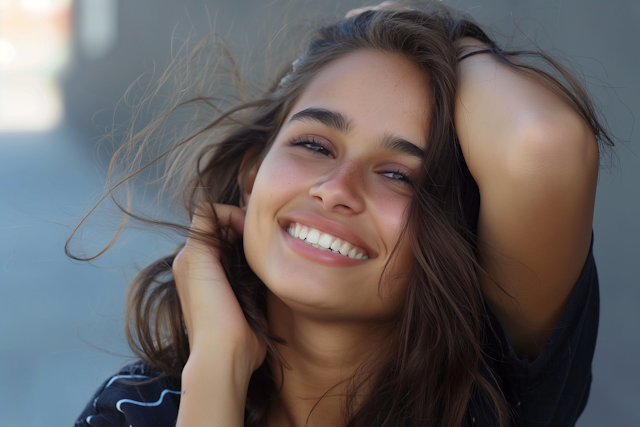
x: 249, y: 161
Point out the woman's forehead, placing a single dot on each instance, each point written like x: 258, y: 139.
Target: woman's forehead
x: 379, y: 92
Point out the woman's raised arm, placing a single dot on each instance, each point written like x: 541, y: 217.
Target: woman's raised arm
x: 535, y: 161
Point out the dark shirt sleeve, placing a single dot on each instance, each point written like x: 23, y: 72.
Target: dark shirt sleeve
x: 137, y: 396
x: 552, y: 389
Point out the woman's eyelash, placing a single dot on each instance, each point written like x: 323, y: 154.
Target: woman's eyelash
x: 312, y: 144
x: 399, y: 176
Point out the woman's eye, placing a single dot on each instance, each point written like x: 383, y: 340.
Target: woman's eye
x: 314, y: 145
x: 397, y: 176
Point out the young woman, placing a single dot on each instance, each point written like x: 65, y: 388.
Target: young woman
x: 397, y: 233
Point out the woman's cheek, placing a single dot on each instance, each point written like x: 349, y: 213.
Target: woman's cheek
x: 279, y: 182
x: 391, y: 208
x: 282, y: 179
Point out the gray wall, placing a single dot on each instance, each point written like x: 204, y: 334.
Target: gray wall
x: 58, y: 317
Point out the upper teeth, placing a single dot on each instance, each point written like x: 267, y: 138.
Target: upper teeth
x: 326, y: 242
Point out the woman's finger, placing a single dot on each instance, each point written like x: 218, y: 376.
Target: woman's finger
x: 228, y: 216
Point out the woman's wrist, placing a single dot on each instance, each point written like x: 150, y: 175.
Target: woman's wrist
x: 225, y: 368
x: 214, y: 390
x: 211, y: 354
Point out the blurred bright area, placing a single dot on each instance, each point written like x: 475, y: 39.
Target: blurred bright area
x: 35, y: 50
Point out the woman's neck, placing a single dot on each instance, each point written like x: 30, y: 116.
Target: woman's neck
x: 321, y: 355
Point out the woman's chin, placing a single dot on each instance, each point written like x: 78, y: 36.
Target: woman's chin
x: 317, y: 299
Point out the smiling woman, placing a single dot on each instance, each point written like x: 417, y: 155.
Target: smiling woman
x: 389, y: 236
x: 334, y: 170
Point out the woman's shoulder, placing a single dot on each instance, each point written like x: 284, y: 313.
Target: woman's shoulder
x: 138, y: 395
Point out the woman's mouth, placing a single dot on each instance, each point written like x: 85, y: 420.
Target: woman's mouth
x: 325, y: 241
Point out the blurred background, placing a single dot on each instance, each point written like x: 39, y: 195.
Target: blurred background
x: 64, y: 69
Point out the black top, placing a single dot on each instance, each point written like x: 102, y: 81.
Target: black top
x: 550, y: 390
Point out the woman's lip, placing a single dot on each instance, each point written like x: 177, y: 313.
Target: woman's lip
x: 325, y: 225
x: 328, y: 258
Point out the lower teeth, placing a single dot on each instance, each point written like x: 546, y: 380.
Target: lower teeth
x: 315, y: 245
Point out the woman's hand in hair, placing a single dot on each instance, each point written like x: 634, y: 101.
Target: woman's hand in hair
x: 211, y: 312
x: 224, y: 349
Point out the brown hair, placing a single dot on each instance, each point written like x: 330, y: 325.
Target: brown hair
x: 433, y: 366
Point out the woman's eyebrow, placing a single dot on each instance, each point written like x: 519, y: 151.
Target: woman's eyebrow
x: 394, y: 143
x: 328, y: 118
x: 342, y: 124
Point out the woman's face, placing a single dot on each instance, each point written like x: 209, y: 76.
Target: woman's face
x: 337, y: 176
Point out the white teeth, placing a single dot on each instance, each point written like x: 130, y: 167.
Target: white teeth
x: 303, y: 232
x: 344, y: 249
x: 313, y: 236
x: 325, y: 240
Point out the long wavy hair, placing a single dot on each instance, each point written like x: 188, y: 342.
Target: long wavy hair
x: 433, y: 364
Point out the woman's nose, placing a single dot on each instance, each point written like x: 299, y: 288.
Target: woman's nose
x: 341, y: 191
